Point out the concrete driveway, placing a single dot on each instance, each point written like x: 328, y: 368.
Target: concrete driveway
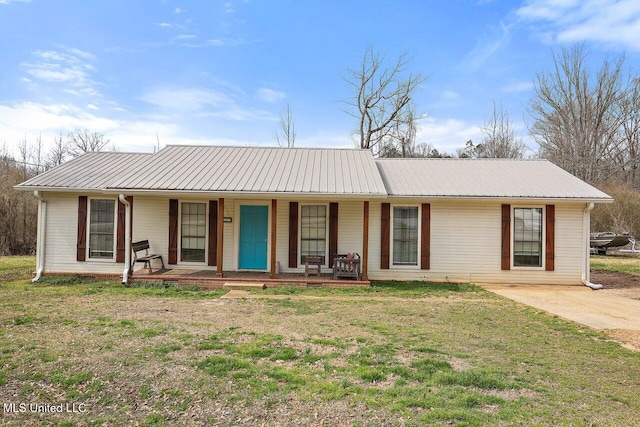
x: 597, y: 309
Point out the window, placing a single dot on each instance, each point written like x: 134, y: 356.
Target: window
x: 101, y: 228
x: 193, y: 228
x: 313, y: 232
x: 527, y: 237
x: 405, y: 235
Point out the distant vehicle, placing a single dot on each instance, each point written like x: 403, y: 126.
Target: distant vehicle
x: 600, y: 242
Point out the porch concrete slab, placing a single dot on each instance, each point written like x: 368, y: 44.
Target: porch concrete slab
x: 580, y: 304
x: 235, y: 293
x: 247, y: 286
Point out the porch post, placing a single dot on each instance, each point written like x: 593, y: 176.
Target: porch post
x: 220, y: 240
x: 365, y: 241
x: 274, y: 221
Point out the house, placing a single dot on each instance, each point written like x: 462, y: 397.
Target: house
x: 229, y: 209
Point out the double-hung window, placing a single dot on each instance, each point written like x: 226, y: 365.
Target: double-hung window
x: 193, y: 229
x: 101, y: 228
x: 313, y: 232
x: 405, y: 235
x: 527, y: 237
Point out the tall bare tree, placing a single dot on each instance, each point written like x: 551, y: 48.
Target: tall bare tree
x: 576, y: 115
x: 82, y: 141
x: 628, y: 156
x: 286, y: 135
x: 498, y: 139
x: 382, y: 97
x: 58, y: 152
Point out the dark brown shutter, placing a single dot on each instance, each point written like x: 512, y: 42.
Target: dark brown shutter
x: 425, y: 249
x: 81, y: 253
x: 506, y: 237
x: 333, y: 232
x: 213, y: 232
x: 173, y: 231
x: 293, y: 234
x: 385, y: 241
x: 120, y: 232
x: 550, y: 238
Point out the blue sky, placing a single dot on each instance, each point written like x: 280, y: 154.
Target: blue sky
x: 221, y: 72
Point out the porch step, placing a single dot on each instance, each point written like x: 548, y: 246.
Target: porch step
x: 243, y: 286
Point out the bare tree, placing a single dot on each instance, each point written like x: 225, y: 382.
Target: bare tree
x: 287, y: 128
x: 382, y: 97
x: 498, y: 140
x: 628, y: 156
x: 576, y: 119
x: 82, y: 141
x: 59, y: 151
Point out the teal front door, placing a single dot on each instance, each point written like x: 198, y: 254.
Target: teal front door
x: 254, y: 229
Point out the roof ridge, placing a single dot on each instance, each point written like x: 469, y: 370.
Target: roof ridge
x: 267, y: 147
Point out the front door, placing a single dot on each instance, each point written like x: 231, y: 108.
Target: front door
x: 254, y: 223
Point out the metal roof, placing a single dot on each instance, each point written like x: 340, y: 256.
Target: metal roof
x: 256, y: 170
x: 508, y: 178
x: 91, y: 171
x: 322, y: 171
x: 223, y: 169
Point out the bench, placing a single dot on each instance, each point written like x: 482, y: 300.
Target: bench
x: 143, y: 245
x: 346, y: 266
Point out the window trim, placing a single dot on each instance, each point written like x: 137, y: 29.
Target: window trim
x: 88, y: 257
x: 543, y: 233
x: 206, y: 233
x: 326, y: 232
x: 417, y: 265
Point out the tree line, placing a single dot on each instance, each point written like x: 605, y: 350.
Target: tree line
x: 18, y: 209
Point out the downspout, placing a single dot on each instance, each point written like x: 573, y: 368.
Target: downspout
x: 40, y: 238
x: 127, y: 238
x: 586, y: 268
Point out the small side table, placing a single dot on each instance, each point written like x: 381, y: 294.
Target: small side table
x: 312, y: 265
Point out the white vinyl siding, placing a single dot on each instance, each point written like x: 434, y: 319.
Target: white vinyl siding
x: 466, y: 245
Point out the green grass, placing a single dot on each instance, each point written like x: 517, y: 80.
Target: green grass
x: 621, y: 263
x: 164, y: 356
x: 414, y: 289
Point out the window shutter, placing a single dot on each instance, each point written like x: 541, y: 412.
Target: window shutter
x: 173, y: 231
x: 213, y: 233
x: 82, y: 229
x: 333, y: 232
x: 550, y: 238
x: 385, y: 242
x: 425, y: 248
x: 293, y: 234
x: 120, y: 231
x: 506, y: 237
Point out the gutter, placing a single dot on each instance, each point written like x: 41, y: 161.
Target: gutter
x: 585, y: 249
x: 127, y: 238
x: 40, y: 239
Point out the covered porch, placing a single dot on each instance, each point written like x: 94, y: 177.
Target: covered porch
x: 210, y: 279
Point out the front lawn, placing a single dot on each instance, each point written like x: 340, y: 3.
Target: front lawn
x: 163, y: 356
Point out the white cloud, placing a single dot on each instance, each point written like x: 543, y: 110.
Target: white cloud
x: 177, y: 10
x: 69, y: 67
x: 14, y: 1
x: 270, y: 95
x: 487, y: 46
x: 521, y: 86
x: 447, y: 134
x: 186, y: 99
x: 612, y: 22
